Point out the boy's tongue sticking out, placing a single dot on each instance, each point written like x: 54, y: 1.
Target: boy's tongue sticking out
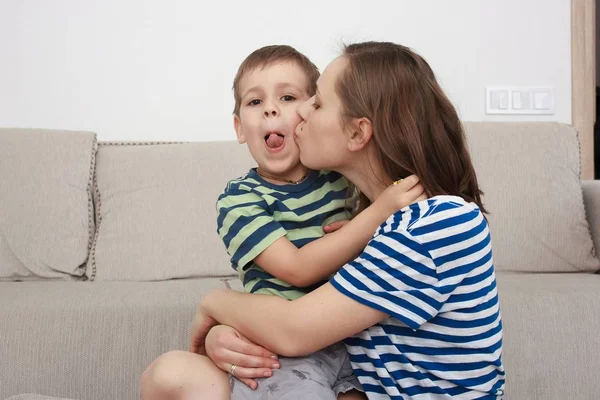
x: 274, y: 140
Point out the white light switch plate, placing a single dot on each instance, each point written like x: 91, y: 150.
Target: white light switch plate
x: 519, y: 100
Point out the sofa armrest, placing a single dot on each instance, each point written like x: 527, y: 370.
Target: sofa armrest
x: 591, y: 199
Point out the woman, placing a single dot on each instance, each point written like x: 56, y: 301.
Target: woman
x: 419, y: 306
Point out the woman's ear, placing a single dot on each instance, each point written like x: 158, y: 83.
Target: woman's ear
x: 239, y: 129
x: 361, y: 132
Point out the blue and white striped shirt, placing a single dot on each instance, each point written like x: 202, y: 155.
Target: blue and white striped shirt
x: 429, y: 267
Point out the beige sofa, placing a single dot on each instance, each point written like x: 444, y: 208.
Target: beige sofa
x: 105, y: 250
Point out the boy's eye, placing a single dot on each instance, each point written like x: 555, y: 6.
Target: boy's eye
x: 316, y: 106
x: 254, y: 102
x: 288, y: 97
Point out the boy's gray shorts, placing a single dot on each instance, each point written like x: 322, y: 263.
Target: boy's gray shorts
x: 319, y: 376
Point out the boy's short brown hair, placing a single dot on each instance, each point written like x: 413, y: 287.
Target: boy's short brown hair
x: 269, y: 55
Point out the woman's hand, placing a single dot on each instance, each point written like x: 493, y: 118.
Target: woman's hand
x: 200, y: 328
x: 226, y: 347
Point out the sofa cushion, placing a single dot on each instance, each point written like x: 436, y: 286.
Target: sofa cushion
x: 156, y: 212
x: 46, y: 213
x: 530, y: 175
x: 91, y: 341
x: 551, y: 346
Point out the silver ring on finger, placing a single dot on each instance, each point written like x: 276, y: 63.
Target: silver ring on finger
x: 232, y: 369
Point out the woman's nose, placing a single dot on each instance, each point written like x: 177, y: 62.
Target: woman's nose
x: 305, y: 108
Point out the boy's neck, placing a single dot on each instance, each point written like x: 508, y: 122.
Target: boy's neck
x: 292, y: 177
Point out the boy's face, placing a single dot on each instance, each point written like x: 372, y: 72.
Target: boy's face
x: 270, y: 98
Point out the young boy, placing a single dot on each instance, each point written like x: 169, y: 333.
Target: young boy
x: 272, y: 219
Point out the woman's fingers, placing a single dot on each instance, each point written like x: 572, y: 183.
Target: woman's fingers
x: 251, y: 383
x: 235, y: 342
x: 249, y: 373
x: 227, y: 347
x: 245, y: 361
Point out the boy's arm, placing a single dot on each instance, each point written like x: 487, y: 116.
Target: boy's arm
x: 318, y: 260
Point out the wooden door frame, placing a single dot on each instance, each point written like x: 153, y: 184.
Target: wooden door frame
x: 583, y: 78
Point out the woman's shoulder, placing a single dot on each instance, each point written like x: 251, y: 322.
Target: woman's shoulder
x: 438, y: 213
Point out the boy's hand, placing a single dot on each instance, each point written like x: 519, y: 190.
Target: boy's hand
x: 400, y: 195
x: 225, y: 346
x: 334, y: 226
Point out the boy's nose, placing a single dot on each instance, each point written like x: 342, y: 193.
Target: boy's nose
x: 270, y: 113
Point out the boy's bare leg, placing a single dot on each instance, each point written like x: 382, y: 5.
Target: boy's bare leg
x: 352, y: 395
x: 183, y: 375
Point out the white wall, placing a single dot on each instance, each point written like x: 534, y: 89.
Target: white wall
x: 162, y: 70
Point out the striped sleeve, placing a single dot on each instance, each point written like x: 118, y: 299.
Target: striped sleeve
x: 395, y: 274
x: 245, y: 226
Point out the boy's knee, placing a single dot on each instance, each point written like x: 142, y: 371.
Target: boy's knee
x: 166, y: 374
x: 183, y: 375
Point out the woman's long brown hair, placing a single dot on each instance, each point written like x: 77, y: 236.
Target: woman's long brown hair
x: 416, y: 129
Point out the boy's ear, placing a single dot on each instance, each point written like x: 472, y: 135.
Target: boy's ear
x: 239, y: 129
x: 360, y: 134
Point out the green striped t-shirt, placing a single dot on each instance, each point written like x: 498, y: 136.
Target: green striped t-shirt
x: 253, y: 213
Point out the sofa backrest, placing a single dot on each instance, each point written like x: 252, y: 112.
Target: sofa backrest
x: 155, y: 209
x: 530, y: 173
x: 46, y: 215
x: 156, y: 216
x: 154, y: 204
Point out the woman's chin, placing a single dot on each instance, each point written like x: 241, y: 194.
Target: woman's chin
x: 310, y: 163
x: 306, y: 163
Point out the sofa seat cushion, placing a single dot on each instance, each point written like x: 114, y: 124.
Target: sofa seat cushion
x: 46, y: 212
x: 551, y: 339
x: 91, y: 341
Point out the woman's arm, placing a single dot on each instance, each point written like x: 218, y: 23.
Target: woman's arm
x: 291, y: 328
